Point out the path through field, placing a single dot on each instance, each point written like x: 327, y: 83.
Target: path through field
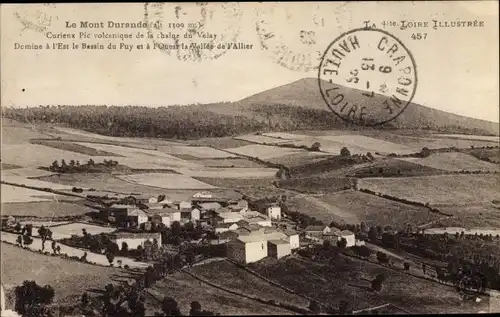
x: 99, y: 259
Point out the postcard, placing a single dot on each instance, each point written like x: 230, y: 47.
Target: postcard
x: 250, y: 158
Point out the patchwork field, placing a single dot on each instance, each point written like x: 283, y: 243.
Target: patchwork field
x: 392, y: 167
x: 61, y: 274
x: 73, y: 147
x: 67, y: 230
x: 453, y: 161
x: 436, y: 190
x: 14, y: 132
x: 263, y: 152
x: 219, y: 143
x: 471, y: 216
x: 163, y: 180
x: 232, y: 172
x: 200, y: 152
x: 185, y: 289
x: 25, y: 172
x: 287, y: 136
x: 35, y: 155
x: 15, y: 194
x: 316, y: 185
x: 141, y: 158
x: 346, y: 279
x: 229, y: 162
x: 45, y: 209
x: 262, y: 139
x: 103, y: 181
x: 237, y: 279
x: 375, y: 210
x: 331, y: 147
x: 299, y: 158
x: 34, y: 183
x: 237, y: 182
x: 367, y: 143
x: 471, y: 137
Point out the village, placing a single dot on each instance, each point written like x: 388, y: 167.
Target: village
x: 247, y: 235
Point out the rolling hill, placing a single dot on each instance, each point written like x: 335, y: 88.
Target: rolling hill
x: 305, y: 94
x: 294, y: 106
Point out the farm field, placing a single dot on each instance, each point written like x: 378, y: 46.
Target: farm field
x: 51, y: 209
x: 454, y: 230
x: 438, y: 190
x: 345, y: 279
x: 4, y: 166
x: 374, y: 210
x: 471, y: 137
x: 299, y: 159
x: 15, y: 194
x: 73, y: 147
x: 229, y: 162
x: 34, y: 183
x: 262, y: 139
x: 26, y: 172
x: 316, y: 184
x: 231, y: 172
x: 367, y: 143
x: 229, y: 276
x: 471, y: 216
x: 61, y: 274
x: 141, y: 158
x: 163, y: 180
x: 331, y: 147
x: 200, y: 152
x: 263, y: 152
x: 49, y: 223
x: 23, y: 155
x: 14, y: 132
x: 185, y: 289
x: 493, y: 155
x: 393, y: 167
x: 67, y: 230
x: 219, y: 143
x: 103, y: 181
x: 454, y: 161
x: 237, y: 182
x: 286, y: 136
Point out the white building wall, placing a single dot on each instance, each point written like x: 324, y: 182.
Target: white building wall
x: 274, y: 212
x: 351, y: 240
x: 195, y: 214
x: 294, y: 241
x: 185, y: 204
x: 175, y: 216
x: 141, y: 219
x: 166, y: 221
x: 255, y: 251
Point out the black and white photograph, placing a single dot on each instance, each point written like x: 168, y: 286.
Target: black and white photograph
x: 249, y: 158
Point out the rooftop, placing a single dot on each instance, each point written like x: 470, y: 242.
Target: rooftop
x: 162, y: 212
x: 121, y: 206
x: 210, y: 206
x: 136, y: 212
x: 137, y: 235
x: 278, y: 242
x: 226, y: 225
x: 230, y: 215
x: 316, y: 228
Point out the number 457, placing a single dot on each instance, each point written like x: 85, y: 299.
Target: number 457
x: 419, y: 36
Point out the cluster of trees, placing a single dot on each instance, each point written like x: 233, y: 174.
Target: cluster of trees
x: 182, y: 122
x: 32, y: 299
x: 460, y: 252
x: 26, y: 233
x: 76, y: 167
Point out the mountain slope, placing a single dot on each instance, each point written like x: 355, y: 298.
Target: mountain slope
x: 305, y: 93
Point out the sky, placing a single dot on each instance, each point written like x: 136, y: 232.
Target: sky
x: 457, y: 67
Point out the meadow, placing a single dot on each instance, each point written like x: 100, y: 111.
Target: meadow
x: 73, y: 147
x: 231, y: 172
x: 185, y: 289
x: 262, y: 139
x: 51, y: 209
x: 15, y: 194
x: 263, y: 152
x: 470, y: 137
x: 376, y: 210
x: 237, y: 279
x: 63, y: 275
x: 201, y: 152
x: 164, y: 180
x: 454, y: 161
x: 67, y: 230
x: 438, y: 190
x: 394, y: 167
x: 299, y: 159
x: 348, y: 279
x: 228, y: 162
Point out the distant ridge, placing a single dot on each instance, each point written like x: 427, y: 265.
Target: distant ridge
x: 305, y: 93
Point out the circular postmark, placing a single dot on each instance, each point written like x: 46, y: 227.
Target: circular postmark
x: 193, y: 31
x: 38, y: 17
x: 296, y: 42
x: 367, y: 76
